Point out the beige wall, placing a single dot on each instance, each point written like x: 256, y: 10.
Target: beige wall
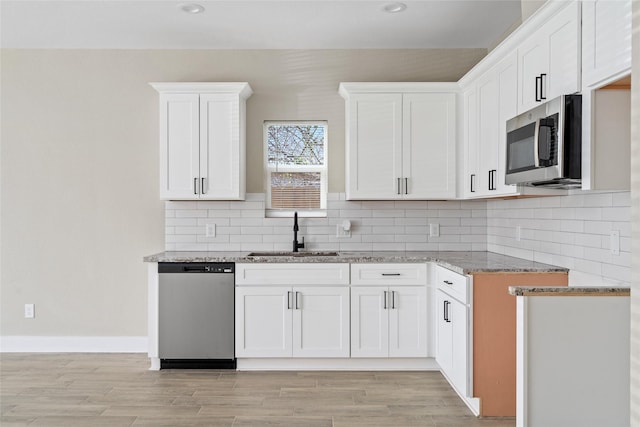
x: 528, y: 7
x: 79, y: 168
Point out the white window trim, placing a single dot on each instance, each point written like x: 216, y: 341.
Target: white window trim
x: 323, y: 169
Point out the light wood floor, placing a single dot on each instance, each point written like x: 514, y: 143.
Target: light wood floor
x: 118, y: 390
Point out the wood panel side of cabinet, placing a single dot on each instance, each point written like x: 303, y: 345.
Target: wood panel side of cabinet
x: 494, y: 337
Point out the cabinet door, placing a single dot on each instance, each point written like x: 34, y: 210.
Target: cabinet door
x: 263, y: 321
x: 179, y: 146
x: 606, y: 40
x: 369, y: 322
x: 487, y: 133
x: 459, y: 375
x: 408, y: 321
x: 470, y: 135
x: 563, y: 61
x: 444, y: 332
x: 429, y: 140
x: 321, y: 322
x: 374, y: 147
x: 532, y: 63
x: 220, y: 148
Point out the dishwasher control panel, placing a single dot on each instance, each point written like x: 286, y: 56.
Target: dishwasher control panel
x: 196, y: 267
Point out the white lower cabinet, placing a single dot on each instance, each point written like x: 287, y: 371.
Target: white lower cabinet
x: 264, y: 322
x: 452, y: 340
x: 389, y: 321
x: 453, y: 328
x: 285, y: 321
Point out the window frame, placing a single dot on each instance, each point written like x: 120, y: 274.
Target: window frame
x: 322, y: 169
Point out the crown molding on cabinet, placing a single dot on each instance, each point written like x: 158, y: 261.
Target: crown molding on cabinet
x: 241, y: 88
x: 345, y: 89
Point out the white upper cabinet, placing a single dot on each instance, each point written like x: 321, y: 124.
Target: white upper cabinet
x: 488, y: 104
x: 606, y: 40
x: 202, y: 140
x: 374, y: 148
x: 549, y: 60
x: 400, y: 140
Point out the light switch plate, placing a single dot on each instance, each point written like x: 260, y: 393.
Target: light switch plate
x: 210, y: 230
x: 434, y: 230
x: 29, y: 311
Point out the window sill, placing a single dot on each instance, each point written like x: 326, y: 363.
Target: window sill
x: 273, y: 213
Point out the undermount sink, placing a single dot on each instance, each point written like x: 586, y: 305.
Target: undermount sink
x: 292, y: 254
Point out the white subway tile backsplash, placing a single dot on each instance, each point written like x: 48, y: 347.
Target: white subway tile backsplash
x: 616, y: 214
x: 191, y: 213
x: 598, y: 200
x: 460, y: 213
x: 621, y: 199
x: 569, y: 231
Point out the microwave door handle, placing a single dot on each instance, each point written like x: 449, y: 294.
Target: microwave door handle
x: 536, y: 144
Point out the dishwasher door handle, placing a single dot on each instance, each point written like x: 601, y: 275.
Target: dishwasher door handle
x: 198, y: 268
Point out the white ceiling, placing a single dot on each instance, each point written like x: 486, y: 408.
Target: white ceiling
x: 251, y: 24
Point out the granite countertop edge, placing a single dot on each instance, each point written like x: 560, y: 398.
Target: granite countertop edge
x: 462, y: 262
x: 533, y: 291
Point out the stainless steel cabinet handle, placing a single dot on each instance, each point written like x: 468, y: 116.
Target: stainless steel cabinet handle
x: 542, y: 79
x: 202, y: 187
x: 195, y: 185
x: 297, y: 301
x: 406, y: 186
x: 473, y: 176
x: 399, y: 186
x: 289, y: 300
x: 448, y: 282
x: 393, y: 300
x: 384, y: 303
x: 391, y: 274
x: 538, y: 88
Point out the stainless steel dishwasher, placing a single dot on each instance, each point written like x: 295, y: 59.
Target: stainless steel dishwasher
x: 196, y: 315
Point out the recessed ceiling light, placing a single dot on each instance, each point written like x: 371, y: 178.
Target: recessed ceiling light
x: 192, y: 8
x: 394, y: 7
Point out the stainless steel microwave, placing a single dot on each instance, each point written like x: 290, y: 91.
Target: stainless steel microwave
x: 544, y: 145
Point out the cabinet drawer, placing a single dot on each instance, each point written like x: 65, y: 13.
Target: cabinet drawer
x: 292, y: 274
x: 452, y: 283
x: 388, y: 274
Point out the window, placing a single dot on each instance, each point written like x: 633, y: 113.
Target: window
x: 296, y: 167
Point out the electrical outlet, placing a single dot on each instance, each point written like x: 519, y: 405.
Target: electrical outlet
x: 29, y: 311
x: 518, y: 233
x: 210, y: 230
x: 434, y: 230
x: 615, y: 242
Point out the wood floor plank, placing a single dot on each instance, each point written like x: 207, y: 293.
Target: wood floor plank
x: 119, y: 390
x: 243, y: 421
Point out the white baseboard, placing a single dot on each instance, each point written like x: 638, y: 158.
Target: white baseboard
x: 73, y: 344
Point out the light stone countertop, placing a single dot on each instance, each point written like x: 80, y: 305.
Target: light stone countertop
x: 462, y: 262
x: 596, y: 291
